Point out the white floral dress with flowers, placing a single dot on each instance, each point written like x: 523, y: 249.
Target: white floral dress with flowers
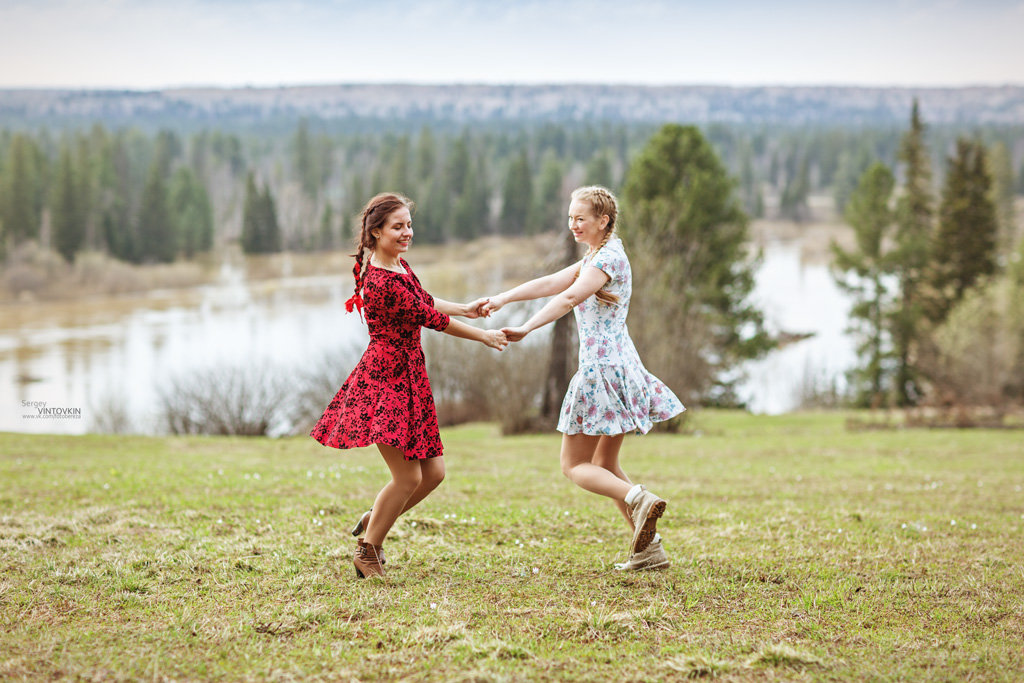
x: 612, y: 392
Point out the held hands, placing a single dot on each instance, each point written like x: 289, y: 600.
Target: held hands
x: 476, y: 309
x: 495, y: 339
x: 514, y: 334
x: 491, y: 305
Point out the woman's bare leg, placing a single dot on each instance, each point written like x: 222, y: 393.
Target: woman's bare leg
x: 578, y: 452
x: 606, y: 456
x: 432, y: 471
x: 406, y: 478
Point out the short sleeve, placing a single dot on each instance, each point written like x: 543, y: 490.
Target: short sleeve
x: 612, y: 261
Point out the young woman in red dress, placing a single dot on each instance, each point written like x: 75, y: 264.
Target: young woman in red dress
x: 386, y: 400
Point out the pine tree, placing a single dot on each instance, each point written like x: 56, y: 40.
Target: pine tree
x: 549, y: 204
x: 305, y: 168
x: 869, y: 214
x: 253, y: 237
x: 326, y: 238
x: 793, y: 203
x: 1002, y: 195
x: 116, y: 225
x: 400, y: 176
x: 915, y: 215
x: 472, y: 213
x: 268, y: 216
x: 426, y: 155
x: 67, y: 215
x: 19, y: 211
x: 599, y: 170
x: 686, y: 235
x: 156, y: 229
x: 964, y: 248
x: 193, y: 213
x: 516, y: 196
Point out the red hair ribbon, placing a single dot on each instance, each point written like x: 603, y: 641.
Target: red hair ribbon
x: 356, y: 302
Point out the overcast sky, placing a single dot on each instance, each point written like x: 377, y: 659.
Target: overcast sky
x: 164, y: 43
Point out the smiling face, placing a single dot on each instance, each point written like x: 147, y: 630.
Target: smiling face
x: 587, y: 227
x: 394, y: 238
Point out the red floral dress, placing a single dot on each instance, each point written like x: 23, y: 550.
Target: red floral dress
x: 387, y: 397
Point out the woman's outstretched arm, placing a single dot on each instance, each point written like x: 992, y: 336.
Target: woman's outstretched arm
x: 534, y: 289
x: 468, y: 310
x: 493, y: 338
x: 589, y: 281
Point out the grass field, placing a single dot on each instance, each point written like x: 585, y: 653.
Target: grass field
x: 801, y: 551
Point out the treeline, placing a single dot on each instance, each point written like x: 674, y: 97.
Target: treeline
x: 155, y: 198
x: 938, y: 277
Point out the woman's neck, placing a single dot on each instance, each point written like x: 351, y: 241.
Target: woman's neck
x: 386, y: 261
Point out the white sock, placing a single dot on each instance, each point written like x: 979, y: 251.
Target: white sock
x: 634, y: 493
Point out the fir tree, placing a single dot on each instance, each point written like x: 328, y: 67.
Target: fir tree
x: 67, y: 215
x: 869, y: 214
x: 193, y: 213
x: 687, y: 238
x: 156, y: 229
x: 599, y: 170
x: 19, y: 186
x: 516, y: 196
x: 1002, y: 196
x: 915, y: 216
x: 253, y: 235
x: 964, y: 248
x: 549, y: 205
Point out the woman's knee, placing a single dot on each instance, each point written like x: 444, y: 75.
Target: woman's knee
x: 408, y: 481
x: 432, y: 477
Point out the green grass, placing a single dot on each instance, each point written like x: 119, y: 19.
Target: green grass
x: 800, y: 551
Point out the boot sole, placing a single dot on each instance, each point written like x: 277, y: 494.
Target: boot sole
x: 645, y: 532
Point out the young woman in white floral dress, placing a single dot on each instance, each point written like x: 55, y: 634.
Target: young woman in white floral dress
x: 611, y: 394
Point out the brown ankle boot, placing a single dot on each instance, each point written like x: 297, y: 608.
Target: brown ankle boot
x: 368, y: 560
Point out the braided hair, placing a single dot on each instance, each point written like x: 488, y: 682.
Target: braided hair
x: 603, y: 203
x: 372, y: 218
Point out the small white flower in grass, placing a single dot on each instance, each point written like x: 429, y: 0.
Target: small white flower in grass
x: 593, y: 603
x: 472, y: 519
x: 413, y: 524
x: 220, y: 521
x: 433, y: 605
x: 321, y: 513
x: 952, y: 522
x: 257, y: 521
x: 974, y: 526
x: 980, y: 484
x: 840, y: 530
x: 566, y: 513
x: 106, y: 486
x: 309, y: 474
x: 545, y: 540
x: 536, y: 570
x: 246, y: 475
x: 221, y: 472
x: 924, y: 528
x: 322, y: 475
x: 256, y: 475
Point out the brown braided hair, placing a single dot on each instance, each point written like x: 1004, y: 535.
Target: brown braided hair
x: 373, y: 217
x: 602, y: 203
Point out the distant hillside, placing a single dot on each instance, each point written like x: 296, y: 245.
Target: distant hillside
x: 465, y: 103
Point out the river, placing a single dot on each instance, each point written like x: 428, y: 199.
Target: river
x: 63, y: 365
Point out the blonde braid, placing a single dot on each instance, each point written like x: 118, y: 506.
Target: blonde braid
x: 602, y: 202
